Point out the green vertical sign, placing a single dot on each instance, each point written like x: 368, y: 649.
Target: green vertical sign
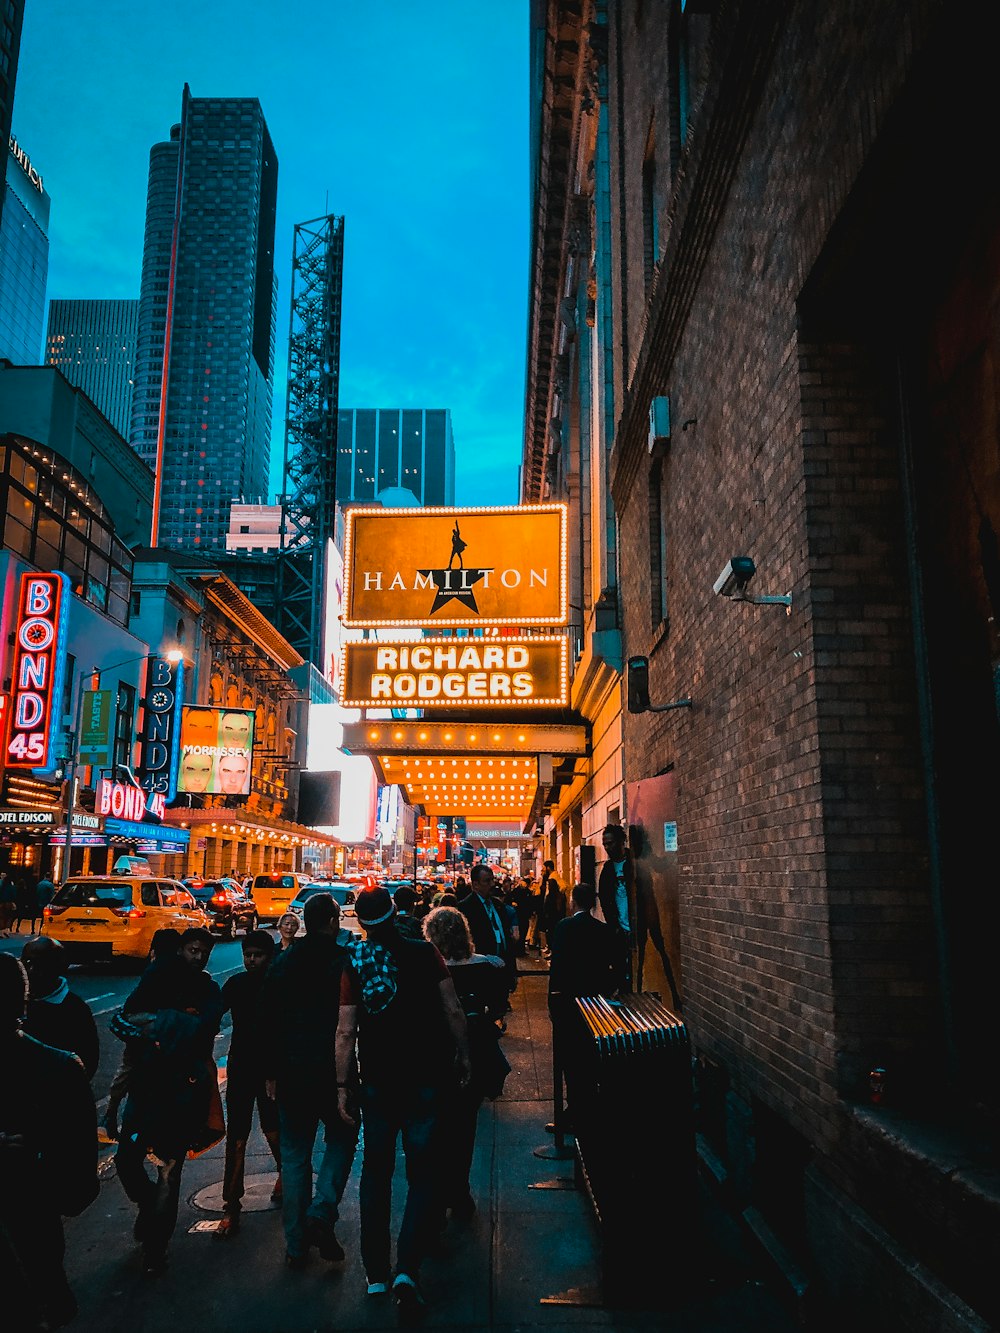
x: 95, y: 727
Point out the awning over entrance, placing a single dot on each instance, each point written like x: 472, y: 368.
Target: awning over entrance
x: 481, y: 768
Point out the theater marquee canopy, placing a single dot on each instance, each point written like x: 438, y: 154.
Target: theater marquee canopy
x: 456, y: 673
x: 501, y: 565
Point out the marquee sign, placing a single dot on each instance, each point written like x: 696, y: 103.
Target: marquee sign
x: 124, y: 801
x: 38, y: 674
x: 160, y: 743
x: 456, y: 672
x: 502, y: 565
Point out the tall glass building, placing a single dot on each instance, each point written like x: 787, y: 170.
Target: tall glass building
x: 24, y: 259
x: 93, y: 344
x: 381, y: 448
x: 217, y: 179
x: 11, y: 22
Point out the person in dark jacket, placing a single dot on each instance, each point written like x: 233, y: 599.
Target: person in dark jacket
x: 552, y: 907
x: 172, y: 1017
x: 407, y: 923
x: 56, y: 1016
x: 242, y: 996
x: 301, y: 1001
x: 48, y: 1162
x: 27, y: 902
x: 585, y: 958
x: 482, y: 992
x: 399, y: 1011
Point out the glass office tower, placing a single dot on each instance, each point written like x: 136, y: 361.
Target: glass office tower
x: 93, y: 344
x: 24, y: 259
x: 214, y: 185
x: 379, y: 448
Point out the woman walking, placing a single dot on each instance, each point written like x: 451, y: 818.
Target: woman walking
x: 481, y: 985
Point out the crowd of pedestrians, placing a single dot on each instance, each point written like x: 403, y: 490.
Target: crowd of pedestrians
x: 396, y: 1030
x: 23, y: 898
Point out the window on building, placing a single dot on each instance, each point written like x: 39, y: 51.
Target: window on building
x: 650, y: 219
x: 657, y: 550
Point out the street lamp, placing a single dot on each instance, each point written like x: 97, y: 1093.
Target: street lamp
x: 94, y: 673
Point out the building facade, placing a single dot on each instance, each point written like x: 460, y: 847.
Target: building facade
x: 10, y: 49
x: 210, y: 300
x: 382, y: 448
x: 800, y: 355
x: 24, y: 259
x: 93, y: 344
x: 39, y: 403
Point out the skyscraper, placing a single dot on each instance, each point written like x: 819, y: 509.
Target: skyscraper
x: 24, y: 259
x: 380, y: 448
x: 93, y: 344
x: 208, y: 293
x: 10, y: 49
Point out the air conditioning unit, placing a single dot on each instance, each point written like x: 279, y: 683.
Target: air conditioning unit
x: 659, y: 424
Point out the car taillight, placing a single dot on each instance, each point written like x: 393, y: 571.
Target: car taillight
x: 130, y: 913
x: 52, y: 911
x: 219, y: 898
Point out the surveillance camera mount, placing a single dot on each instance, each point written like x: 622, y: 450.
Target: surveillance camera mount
x: 732, y: 584
x: 666, y: 708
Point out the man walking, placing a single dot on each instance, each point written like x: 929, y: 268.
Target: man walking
x: 242, y: 996
x: 300, y: 999
x: 169, y: 1022
x: 398, y: 1003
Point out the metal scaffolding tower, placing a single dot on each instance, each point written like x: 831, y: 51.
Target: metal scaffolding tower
x: 308, y: 504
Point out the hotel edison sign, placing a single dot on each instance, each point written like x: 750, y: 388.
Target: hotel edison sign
x: 486, y: 566
x: 455, y: 672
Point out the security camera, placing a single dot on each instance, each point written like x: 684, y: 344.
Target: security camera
x: 733, y: 580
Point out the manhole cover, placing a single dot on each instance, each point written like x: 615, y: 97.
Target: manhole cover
x: 256, y: 1195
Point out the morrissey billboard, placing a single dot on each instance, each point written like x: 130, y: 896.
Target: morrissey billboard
x: 499, y: 565
x: 216, y: 750
x: 455, y: 672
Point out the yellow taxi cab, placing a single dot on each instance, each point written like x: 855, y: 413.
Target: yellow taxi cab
x: 115, y: 916
x: 272, y: 893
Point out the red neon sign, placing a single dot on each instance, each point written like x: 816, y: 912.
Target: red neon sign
x: 39, y: 668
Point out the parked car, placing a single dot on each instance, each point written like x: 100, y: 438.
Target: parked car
x: 113, y: 916
x: 341, y: 890
x: 228, y: 908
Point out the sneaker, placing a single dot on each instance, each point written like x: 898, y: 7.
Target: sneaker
x: 377, y: 1288
x: 296, y: 1262
x: 410, y: 1304
x: 276, y: 1193
x: 321, y: 1234
x: 228, y: 1226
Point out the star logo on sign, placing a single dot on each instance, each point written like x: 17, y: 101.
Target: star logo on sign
x: 455, y: 584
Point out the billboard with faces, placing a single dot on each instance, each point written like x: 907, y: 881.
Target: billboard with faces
x: 216, y: 750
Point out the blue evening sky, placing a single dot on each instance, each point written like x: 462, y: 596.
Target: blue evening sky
x: 410, y: 119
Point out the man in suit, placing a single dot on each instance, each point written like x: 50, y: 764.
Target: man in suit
x: 584, y: 962
x: 486, y: 921
x: 628, y: 905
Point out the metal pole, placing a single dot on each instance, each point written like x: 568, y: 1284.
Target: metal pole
x: 71, y: 782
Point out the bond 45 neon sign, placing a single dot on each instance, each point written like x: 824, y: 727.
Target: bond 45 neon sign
x: 38, y: 677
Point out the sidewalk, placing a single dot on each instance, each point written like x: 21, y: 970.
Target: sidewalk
x: 525, y: 1245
